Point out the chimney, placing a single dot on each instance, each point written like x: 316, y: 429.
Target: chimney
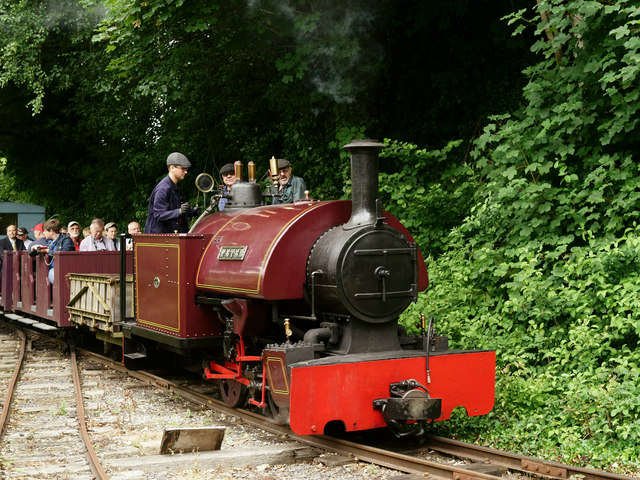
x: 364, y: 182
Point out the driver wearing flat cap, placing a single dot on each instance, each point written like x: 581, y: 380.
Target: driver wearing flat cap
x: 168, y: 212
x: 291, y: 188
x: 228, y: 174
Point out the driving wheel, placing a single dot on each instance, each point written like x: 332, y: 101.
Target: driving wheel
x: 233, y: 393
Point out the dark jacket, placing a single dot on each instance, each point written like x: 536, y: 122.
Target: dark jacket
x: 163, y: 215
x: 292, y: 191
x: 223, y: 201
x: 5, y: 244
x: 61, y: 244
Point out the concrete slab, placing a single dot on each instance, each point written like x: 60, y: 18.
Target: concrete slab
x: 283, y: 454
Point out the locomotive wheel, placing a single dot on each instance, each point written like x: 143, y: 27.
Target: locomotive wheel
x: 280, y: 415
x: 233, y: 393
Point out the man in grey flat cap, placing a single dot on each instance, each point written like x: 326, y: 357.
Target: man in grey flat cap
x: 291, y: 187
x: 168, y: 212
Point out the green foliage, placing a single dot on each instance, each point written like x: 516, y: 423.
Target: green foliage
x: 29, y: 28
x: 428, y: 192
x: 7, y: 190
x: 545, y: 268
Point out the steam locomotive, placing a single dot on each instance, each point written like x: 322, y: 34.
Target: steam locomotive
x: 291, y: 308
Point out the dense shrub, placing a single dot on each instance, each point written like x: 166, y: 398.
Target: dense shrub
x: 545, y: 267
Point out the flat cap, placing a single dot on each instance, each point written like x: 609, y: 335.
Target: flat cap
x: 227, y: 168
x: 283, y: 163
x: 179, y: 159
x: 114, y: 224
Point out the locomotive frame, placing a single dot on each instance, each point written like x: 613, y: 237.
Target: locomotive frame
x: 291, y: 308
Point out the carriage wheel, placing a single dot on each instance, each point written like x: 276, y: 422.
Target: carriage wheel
x: 233, y: 393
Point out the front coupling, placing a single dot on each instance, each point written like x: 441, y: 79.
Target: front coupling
x: 409, y: 401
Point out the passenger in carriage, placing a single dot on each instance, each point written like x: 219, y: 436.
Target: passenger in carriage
x: 57, y: 242
x: 96, y: 242
x: 23, y: 234
x: 74, y: 234
x: 40, y: 240
x: 111, y: 232
x: 11, y: 242
x: 133, y: 227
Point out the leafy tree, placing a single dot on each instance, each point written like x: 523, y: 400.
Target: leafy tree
x: 116, y: 85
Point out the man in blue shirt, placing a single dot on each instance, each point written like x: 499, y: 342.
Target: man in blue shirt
x: 168, y: 212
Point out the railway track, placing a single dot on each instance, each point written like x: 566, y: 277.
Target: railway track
x: 44, y: 434
x: 480, y: 458
x: 478, y: 462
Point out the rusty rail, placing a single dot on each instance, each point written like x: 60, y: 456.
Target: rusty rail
x: 398, y: 461
x: 516, y: 462
x: 6, y: 408
x: 94, y: 461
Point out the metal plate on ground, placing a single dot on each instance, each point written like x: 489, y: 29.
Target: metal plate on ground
x: 192, y: 439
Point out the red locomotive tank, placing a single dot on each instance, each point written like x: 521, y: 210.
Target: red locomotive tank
x: 262, y: 252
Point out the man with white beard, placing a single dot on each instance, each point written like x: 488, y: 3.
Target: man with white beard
x: 73, y: 230
x: 291, y: 188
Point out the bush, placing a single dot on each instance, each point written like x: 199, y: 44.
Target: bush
x: 545, y: 267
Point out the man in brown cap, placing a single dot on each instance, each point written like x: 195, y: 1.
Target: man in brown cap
x: 291, y: 188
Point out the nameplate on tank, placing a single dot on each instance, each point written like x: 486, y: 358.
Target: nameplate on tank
x: 232, y: 252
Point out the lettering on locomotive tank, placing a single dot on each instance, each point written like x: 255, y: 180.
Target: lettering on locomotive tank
x: 232, y: 252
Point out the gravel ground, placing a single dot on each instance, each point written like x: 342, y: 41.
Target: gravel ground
x: 126, y: 419
x: 311, y: 471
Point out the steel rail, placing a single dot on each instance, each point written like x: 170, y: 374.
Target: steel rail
x: 94, y: 462
x: 516, y: 462
x: 385, y: 458
x: 397, y: 461
x: 6, y: 407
